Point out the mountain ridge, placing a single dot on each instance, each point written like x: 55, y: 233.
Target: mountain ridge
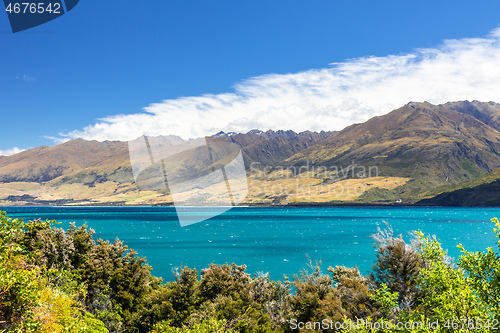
x: 433, y: 145
x: 421, y: 150
x: 80, y: 169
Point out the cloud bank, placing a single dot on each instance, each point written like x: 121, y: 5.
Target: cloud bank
x: 321, y: 99
x: 12, y: 151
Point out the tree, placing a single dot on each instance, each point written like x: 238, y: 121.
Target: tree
x: 483, y: 271
x: 398, y: 266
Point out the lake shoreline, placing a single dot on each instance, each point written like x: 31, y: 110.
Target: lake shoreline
x: 308, y: 204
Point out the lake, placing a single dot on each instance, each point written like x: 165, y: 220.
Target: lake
x: 276, y: 240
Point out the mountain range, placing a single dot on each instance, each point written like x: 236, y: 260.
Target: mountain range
x: 418, y: 154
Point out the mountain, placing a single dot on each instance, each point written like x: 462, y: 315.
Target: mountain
x: 419, y: 151
x: 432, y: 145
x: 81, y: 171
x: 109, y: 160
x: 271, y: 148
x: 44, y: 164
x: 488, y: 113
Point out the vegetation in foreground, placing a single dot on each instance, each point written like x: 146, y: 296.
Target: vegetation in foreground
x: 53, y: 280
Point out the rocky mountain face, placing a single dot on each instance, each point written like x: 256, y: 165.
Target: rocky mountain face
x: 81, y: 161
x: 271, y: 148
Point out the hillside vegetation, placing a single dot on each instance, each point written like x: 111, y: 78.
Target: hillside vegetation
x: 434, y: 146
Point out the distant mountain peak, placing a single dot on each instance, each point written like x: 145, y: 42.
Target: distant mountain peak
x: 221, y: 134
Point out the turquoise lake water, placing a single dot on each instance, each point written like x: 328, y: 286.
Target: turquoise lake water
x: 273, y: 240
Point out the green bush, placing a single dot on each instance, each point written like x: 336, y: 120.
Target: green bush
x: 52, y: 280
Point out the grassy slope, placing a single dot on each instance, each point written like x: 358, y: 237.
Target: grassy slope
x: 482, y: 191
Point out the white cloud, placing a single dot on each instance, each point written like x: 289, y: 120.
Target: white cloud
x: 26, y: 78
x: 322, y: 99
x: 12, y: 151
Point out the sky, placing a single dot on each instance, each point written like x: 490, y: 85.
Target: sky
x: 115, y: 70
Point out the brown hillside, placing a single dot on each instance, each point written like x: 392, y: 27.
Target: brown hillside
x: 433, y: 145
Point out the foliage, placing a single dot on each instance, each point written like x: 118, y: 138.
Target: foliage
x: 59, y: 313
x: 397, y: 266
x: 210, y: 326
x: 28, y: 301
x: 386, y: 299
x: 52, y: 280
x: 448, y: 295
x: 483, y: 270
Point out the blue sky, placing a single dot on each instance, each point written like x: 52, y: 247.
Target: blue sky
x: 251, y: 63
